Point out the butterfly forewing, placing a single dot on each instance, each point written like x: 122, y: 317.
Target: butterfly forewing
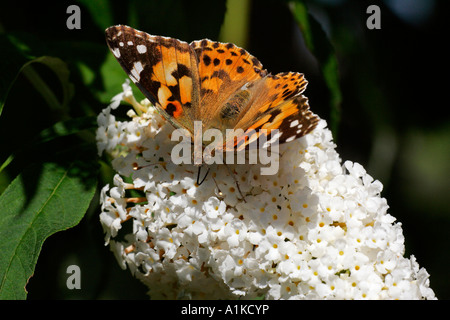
x: 164, y: 69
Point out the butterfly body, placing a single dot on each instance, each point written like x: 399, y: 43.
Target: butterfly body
x: 219, y: 84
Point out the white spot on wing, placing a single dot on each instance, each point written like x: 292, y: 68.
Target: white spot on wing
x: 294, y: 123
x: 133, y: 78
x: 130, y: 43
x: 141, y: 48
x: 137, y: 69
x: 274, y: 139
x: 116, y: 52
x: 290, y: 139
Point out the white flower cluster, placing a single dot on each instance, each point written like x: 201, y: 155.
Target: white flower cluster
x: 318, y: 229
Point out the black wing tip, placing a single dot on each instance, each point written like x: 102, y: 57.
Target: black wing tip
x: 113, y: 31
x: 115, y: 27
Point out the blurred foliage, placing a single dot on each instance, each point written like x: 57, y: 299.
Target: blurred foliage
x: 380, y: 90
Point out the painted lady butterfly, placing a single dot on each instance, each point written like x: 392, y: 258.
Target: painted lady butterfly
x: 219, y: 84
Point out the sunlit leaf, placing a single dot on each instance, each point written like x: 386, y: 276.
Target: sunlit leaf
x: 317, y: 42
x: 61, y: 198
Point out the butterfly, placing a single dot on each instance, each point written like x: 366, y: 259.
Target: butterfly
x: 219, y: 84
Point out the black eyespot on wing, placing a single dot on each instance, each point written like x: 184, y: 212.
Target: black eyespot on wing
x: 206, y: 60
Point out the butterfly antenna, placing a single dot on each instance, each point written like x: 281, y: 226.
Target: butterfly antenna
x: 198, y: 175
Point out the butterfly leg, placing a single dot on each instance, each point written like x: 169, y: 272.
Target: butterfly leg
x: 198, y: 175
x: 237, y: 183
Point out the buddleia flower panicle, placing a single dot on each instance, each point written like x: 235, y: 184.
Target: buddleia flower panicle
x: 318, y: 229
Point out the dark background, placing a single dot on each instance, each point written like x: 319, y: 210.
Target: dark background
x: 393, y: 116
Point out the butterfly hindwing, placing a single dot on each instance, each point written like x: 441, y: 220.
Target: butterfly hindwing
x: 284, y: 123
x: 277, y: 104
x: 292, y: 119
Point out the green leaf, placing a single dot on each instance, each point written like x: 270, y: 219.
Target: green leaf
x: 12, y: 59
x: 68, y: 127
x: 60, y: 200
x: 16, y: 59
x: 60, y: 69
x: 208, y: 16
x: 317, y: 42
x: 58, y: 130
x: 100, y: 12
x: 113, y: 78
